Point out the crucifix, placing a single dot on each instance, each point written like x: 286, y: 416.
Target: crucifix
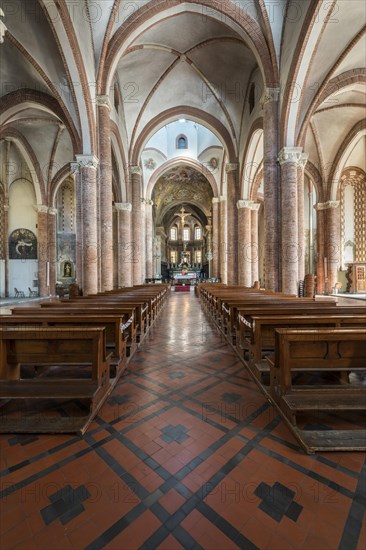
x: 182, y: 214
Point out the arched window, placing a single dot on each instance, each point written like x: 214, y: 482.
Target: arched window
x: 197, y: 233
x: 186, y: 233
x: 182, y: 142
x: 252, y: 97
x: 173, y: 233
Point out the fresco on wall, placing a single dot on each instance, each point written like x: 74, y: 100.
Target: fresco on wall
x: 66, y: 247
x: 22, y: 245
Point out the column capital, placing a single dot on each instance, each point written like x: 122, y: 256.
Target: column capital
x: 84, y: 161
x: 244, y: 204
x: 222, y: 198
x: 256, y: 206
x: 303, y: 160
x: 135, y: 170
x: 52, y: 211
x: 231, y: 167
x: 123, y: 206
x: 326, y: 205
x: 103, y: 101
x: 269, y: 95
x: 148, y: 202
x: 215, y: 200
x: 290, y: 154
x: 40, y: 208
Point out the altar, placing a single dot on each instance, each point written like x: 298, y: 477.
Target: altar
x: 186, y: 278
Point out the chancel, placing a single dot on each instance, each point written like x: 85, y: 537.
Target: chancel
x: 182, y: 274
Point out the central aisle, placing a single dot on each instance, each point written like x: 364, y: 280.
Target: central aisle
x: 186, y: 453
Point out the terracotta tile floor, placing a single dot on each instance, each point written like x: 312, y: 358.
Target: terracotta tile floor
x: 187, y: 453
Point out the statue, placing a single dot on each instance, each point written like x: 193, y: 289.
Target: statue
x: 67, y: 269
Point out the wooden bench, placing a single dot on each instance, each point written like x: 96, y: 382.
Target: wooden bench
x: 245, y: 315
x: 262, y: 334
x: 127, y: 315
x: 320, y: 350
x: 65, y: 350
x: 115, y: 327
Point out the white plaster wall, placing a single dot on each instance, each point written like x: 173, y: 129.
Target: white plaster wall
x: 21, y: 206
x: 22, y: 273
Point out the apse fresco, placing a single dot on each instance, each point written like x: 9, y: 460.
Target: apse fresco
x: 22, y: 245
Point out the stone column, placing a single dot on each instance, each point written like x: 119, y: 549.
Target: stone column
x: 125, y: 251
x: 270, y: 102
x: 43, y: 266
x: 232, y: 223
x: 136, y: 181
x: 300, y: 214
x: 106, y: 193
x: 333, y: 242
x: 289, y: 158
x: 209, y: 254
x: 244, y: 242
x: 223, y: 240
x: 149, y: 239
x: 6, y: 248
x: 320, y: 240
x: 215, y: 237
x: 52, y: 249
x: 254, y: 242
x: 86, y: 207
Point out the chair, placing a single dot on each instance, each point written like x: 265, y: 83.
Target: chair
x: 18, y: 293
x: 32, y: 293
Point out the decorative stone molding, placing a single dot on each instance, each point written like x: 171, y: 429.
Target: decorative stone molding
x: 215, y: 200
x: 290, y: 154
x: 244, y: 204
x: 222, y: 198
x: 103, y: 101
x: 52, y: 211
x: 40, y: 208
x: 269, y: 94
x: 326, y: 205
x: 231, y: 167
x: 6, y: 207
x: 248, y: 204
x: 2, y: 27
x: 84, y: 161
x: 123, y: 206
x: 147, y: 202
x: 303, y: 160
x: 136, y: 170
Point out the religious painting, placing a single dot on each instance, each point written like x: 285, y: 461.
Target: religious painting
x: 22, y: 245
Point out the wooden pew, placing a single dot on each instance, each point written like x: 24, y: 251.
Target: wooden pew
x: 93, y: 313
x: 116, y: 338
x: 262, y: 334
x: 317, y: 351
x: 245, y: 315
x: 65, y: 350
